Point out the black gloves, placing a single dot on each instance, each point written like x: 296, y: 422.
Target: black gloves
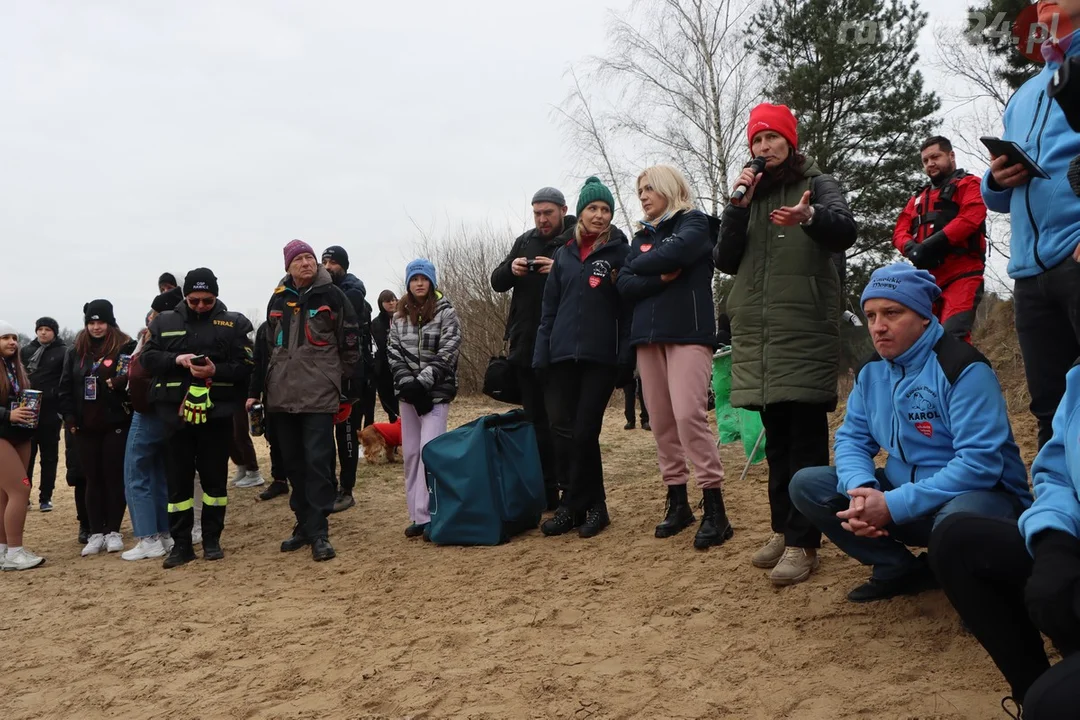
x: 413, y: 392
x: 1051, y: 594
x: 928, y: 254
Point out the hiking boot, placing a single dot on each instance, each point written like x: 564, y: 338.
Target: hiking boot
x: 297, y: 541
x: 629, y: 425
x: 679, y: 515
x: 596, y: 519
x: 415, y: 530
x: 94, y: 545
x: 715, y: 528
x: 770, y: 553
x: 181, y: 554
x: 911, y: 583
x: 321, y: 549
x: 276, y: 489
x: 344, y: 501
x: 211, y: 549
x: 21, y: 559
x: 795, y: 565
x: 560, y: 524
x: 646, y: 426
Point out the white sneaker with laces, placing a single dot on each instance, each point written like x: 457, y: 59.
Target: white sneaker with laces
x: 94, y: 546
x: 253, y: 478
x: 148, y: 547
x: 21, y: 559
x: 114, y: 542
x: 239, y: 476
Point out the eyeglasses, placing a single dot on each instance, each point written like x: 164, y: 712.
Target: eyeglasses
x: 201, y: 302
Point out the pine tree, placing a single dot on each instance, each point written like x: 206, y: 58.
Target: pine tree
x: 991, y: 24
x: 847, y: 69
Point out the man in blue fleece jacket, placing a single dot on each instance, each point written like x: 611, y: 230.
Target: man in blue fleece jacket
x: 1045, y: 224
x: 933, y: 403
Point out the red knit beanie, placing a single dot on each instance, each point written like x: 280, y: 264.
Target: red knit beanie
x: 777, y: 118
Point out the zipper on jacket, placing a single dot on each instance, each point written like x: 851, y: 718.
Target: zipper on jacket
x: 1035, y: 116
x: 1027, y: 190
x: 896, y: 415
x: 693, y: 296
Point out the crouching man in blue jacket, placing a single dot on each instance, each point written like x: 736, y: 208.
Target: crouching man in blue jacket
x: 933, y: 403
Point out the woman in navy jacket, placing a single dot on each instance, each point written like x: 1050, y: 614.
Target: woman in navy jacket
x: 668, y: 277
x: 582, y: 346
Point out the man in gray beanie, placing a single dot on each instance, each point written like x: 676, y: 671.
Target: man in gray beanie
x: 525, y: 271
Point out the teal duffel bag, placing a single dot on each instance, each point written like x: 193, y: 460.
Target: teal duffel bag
x: 484, y: 480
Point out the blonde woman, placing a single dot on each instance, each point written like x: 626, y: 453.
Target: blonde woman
x: 668, y: 278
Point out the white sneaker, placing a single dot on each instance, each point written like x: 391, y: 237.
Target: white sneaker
x: 114, y: 542
x: 240, y: 474
x: 253, y: 478
x: 149, y: 547
x: 196, y: 536
x: 97, y: 542
x: 21, y: 559
x: 166, y: 542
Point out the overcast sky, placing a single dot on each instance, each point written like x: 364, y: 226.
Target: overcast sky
x: 139, y: 137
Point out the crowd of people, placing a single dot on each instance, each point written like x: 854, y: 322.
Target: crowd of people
x: 152, y: 422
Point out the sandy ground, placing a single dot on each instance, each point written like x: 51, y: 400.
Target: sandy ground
x: 620, y: 626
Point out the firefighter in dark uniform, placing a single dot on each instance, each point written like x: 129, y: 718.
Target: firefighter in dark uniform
x: 943, y: 230
x: 200, y: 356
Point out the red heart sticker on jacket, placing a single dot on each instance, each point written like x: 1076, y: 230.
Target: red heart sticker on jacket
x: 925, y: 428
x: 594, y: 282
x: 107, y: 363
x: 646, y: 247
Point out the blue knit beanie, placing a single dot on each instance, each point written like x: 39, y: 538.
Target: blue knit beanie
x: 901, y: 282
x: 420, y: 266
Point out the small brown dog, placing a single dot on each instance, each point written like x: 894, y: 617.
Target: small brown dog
x: 380, y: 442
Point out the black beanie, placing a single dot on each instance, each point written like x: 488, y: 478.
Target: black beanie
x: 200, y: 280
x: 338, y: 255
x: 99, y: 310
x: 167, y: 300
x: 167, y: 278
x: 49, y: 323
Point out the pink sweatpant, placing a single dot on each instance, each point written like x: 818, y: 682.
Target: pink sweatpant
x: 675, y: 381
x: 416, y: 432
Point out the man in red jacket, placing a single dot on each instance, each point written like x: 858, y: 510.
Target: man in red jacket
x: 943, y: 230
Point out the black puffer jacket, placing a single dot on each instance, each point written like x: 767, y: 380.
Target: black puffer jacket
x: 362, y: 371
x: 46, y: 377
x: 525, y: 306
x: 679, y: 312
x: 583, y: 318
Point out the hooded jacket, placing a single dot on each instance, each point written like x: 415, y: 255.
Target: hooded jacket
x: 220, y: 335
x: 355, y: 291
x: 427, y: 352
x: 1056, y: 472
x: 1045, y: 213
x: 785, y: 302
x: 527, y: 302
x: 681, y: 311
x: 938, y: 411
x: 312, y: 346
x: 47, y: 376
x: 584, y: 318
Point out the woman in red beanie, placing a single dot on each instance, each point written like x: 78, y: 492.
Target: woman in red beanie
x: 779, y: 242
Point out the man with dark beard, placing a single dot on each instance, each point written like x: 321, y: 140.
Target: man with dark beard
x: 943, y: 230
x: 336, y: 262
x: 525, y: 271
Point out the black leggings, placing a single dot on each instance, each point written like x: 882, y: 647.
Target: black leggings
x: 983, y: 566
x: 796, y: 437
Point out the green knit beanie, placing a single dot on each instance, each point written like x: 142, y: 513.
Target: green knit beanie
x: 592, y: 191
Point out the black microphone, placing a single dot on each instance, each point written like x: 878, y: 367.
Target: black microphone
x: 758, y: 165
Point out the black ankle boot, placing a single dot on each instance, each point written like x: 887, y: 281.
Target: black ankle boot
x: 715, y: 528
x: 679, y: 514
x: 212, y: 549
x: 181, y: 554
x: 562, y: 522
x: 596, y: 519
